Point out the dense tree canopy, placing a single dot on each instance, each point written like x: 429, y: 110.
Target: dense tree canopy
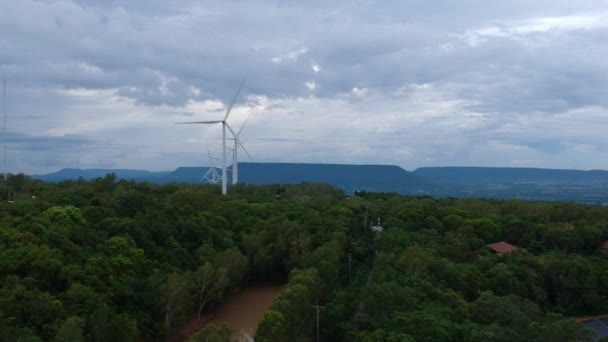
x: 115, y: 260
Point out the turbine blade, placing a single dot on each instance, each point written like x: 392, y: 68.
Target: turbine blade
x: 210, y: 160
x: 238, y: 141
x: 236, y: 96
x: 199, y: 122
x: 244, y: 123
x: 231, y: 130
x: 206, y: 174
x: 244, y: 150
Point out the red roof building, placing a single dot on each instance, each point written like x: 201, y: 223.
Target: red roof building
x: 502, y: 247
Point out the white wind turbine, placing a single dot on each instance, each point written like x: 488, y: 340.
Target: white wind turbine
x: 224, y: 126
x: 211, y: 176
x: 234, y: 150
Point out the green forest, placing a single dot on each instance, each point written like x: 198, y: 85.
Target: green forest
x: 115, y: 260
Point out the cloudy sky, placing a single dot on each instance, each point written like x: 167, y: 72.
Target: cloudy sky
x: 413, y: 83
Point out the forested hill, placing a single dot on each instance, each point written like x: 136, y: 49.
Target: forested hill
x: 382, y: 178
x: 484, y: 175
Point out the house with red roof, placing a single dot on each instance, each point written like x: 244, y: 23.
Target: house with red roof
x: 502, y: 247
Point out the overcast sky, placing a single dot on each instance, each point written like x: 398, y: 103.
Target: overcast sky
x: 413, y: 83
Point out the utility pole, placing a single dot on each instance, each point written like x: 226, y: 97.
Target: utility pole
x: 318, y: 308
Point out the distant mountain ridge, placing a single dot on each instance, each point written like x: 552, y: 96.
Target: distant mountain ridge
x: 88, y: 174
x: 488, y: 182
x: 381, y: 178
x: 477, y: 175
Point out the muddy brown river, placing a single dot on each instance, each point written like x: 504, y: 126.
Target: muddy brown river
x: 241, y: 311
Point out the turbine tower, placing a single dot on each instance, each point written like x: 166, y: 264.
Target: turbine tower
x: 225, y: 126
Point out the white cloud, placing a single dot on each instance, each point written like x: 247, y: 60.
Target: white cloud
x: 536, y: 25
x: 290, y: 56
x: 360, y: 92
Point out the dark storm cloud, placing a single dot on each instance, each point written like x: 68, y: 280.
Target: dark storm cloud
x: 156, y: 53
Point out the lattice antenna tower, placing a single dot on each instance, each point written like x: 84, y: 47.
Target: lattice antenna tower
x: 5, y: 138
x: 4, y: 111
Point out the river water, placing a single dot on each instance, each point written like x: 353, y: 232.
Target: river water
x: 244, y: 310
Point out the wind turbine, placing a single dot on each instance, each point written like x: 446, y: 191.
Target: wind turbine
x: 234, y: 150
x: 211, y: 176
x: 224, y: 127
